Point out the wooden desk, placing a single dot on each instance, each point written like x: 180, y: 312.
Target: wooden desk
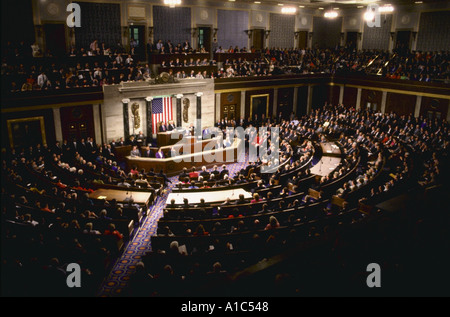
x: 209, y: 196
x: 330, y: 149
x: 174, y: 165
x: 325, y: 166
x: 165, y: 139
x: 140, y: 198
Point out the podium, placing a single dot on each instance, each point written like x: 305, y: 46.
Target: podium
x: 165, y: 139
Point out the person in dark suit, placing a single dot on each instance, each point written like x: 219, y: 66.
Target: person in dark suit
x: 140, y: 138
x: 215, y: 172
x: 107, y: 151
x: 183, y: 175
x: 148, y: 152
x: 74, y: 146
x: 171, y: 126
x: 91, y: 148
x: 164, y: 176
x: 57, y: 149
x: 224, y: 172
x: 66, y: 149
x: 163, y: 127
x: 204, y: 173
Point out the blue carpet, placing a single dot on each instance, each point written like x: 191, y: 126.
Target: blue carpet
x: 125, y: 266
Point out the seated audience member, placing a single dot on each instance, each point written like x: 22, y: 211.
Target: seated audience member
x: 135, y: 152
x: 159, y: 154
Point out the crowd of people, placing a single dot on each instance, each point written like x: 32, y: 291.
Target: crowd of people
x: 100, y: 65
x: 405, y: 150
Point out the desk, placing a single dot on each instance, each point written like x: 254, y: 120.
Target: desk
x: 140, y: 198
x: 209, y: 196
x: 165, y: 139
x: 325, y: 166
x: 174, y: 165
x: 330, y: 148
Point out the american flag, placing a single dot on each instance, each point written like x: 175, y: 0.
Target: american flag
x: 161, y: 112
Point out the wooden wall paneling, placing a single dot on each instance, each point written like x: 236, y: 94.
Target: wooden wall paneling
x: 47, y: 114
x: 436, y: 105
x: 350, y: 94
x: 77, y: 122
x: 229, y: 100
x: 285, y: 100
x: 400, y: 103
x: 248, y: 97
x: 333, y: 93
x: 371, y: 96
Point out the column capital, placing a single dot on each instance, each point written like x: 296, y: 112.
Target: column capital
x: 126, y: 100
x: 179, y: 96
x: 148, y: 99
x: 199, y: 94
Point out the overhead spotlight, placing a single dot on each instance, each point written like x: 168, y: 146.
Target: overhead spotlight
x: 330, y: 14
x: 172, y: 3
x: 386, y: 8
x: 369, y: 16
x: 288, y: 10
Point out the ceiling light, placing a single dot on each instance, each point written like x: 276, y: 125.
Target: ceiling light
x: 330, y: 14
x: 320, y: 8
x: 289, y: 10
x: 172, y: 3
x: 386, y: 8
x: 369, y: 16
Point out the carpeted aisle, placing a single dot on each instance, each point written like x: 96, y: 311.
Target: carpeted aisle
x: 117, y: 281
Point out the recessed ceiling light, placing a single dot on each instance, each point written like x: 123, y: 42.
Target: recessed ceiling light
x: 301, y: 6
x: 418, y: 2
x: 335, y: 8
x: 359, y: 7
x: 320, y: 8
x: 257, y: 2
x: 280, y: 4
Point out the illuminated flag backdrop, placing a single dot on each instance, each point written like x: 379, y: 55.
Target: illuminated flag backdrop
x: 161, y: 112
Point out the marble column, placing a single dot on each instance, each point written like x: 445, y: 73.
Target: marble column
x: 97, y: 124
x: 57, y: 122
x: 126, y: 119
x: 341, y: 95
x: 358, y: 99
x: 383, y: 102
x: 275, y: 104
x: 309, y: 100
x: 199, y: 105
x: 217, y: 107
x: 417, y: 107
x: 295, y: 100
x: 148, y: 109
x: 179, y: 116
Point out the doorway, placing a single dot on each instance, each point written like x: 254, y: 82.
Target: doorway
x: 137, y: 33
x: 204, y: 38
x: 302, y: 39
x: 55, y: 39
x: 351, y: 40
x: 403, y: 41
x: 258, y: 39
